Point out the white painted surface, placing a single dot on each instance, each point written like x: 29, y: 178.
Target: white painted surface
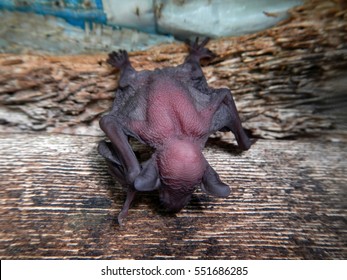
x: 220, y: 17
x: 137, y: 14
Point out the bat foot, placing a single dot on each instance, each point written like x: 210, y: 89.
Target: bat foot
x: 198, y: 50
x: 118, y: 59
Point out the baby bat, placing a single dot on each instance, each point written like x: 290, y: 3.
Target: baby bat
x: 174, y: 111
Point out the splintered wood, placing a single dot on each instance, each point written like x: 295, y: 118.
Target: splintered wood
x: 283, y: 79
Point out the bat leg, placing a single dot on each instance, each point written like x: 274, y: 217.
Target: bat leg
x: 129, y: 199
x: 120, y: 60
x: 212, y: 184
x: 121, y: 147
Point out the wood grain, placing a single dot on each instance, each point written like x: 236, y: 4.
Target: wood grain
x: 288, y: 201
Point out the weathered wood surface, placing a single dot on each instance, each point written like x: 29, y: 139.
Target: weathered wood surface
x: 288, y: 201
x: 283, y: 79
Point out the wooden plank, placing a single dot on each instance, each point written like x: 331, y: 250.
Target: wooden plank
x: 57, y: 200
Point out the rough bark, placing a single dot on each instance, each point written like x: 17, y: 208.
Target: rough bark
x: 288, y: 201
x: 283, y: 79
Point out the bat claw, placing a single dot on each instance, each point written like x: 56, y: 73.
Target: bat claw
x: 118, y: 59
x: 198, y: 50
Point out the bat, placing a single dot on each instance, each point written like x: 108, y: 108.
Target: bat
x: 174, y: 111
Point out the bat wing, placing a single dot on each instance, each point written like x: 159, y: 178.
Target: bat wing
x: 227, y: 117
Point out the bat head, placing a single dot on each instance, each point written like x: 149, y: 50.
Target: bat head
x: 181, y: 166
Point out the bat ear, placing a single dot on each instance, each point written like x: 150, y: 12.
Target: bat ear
x: 105, y: 149
x: 211, y: 184
x: 148, y: 179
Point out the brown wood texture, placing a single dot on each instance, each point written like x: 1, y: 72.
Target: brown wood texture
x: 283, y: 79
x: 288, y: 201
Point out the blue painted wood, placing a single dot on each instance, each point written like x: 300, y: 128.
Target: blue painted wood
x: 74, y: 12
